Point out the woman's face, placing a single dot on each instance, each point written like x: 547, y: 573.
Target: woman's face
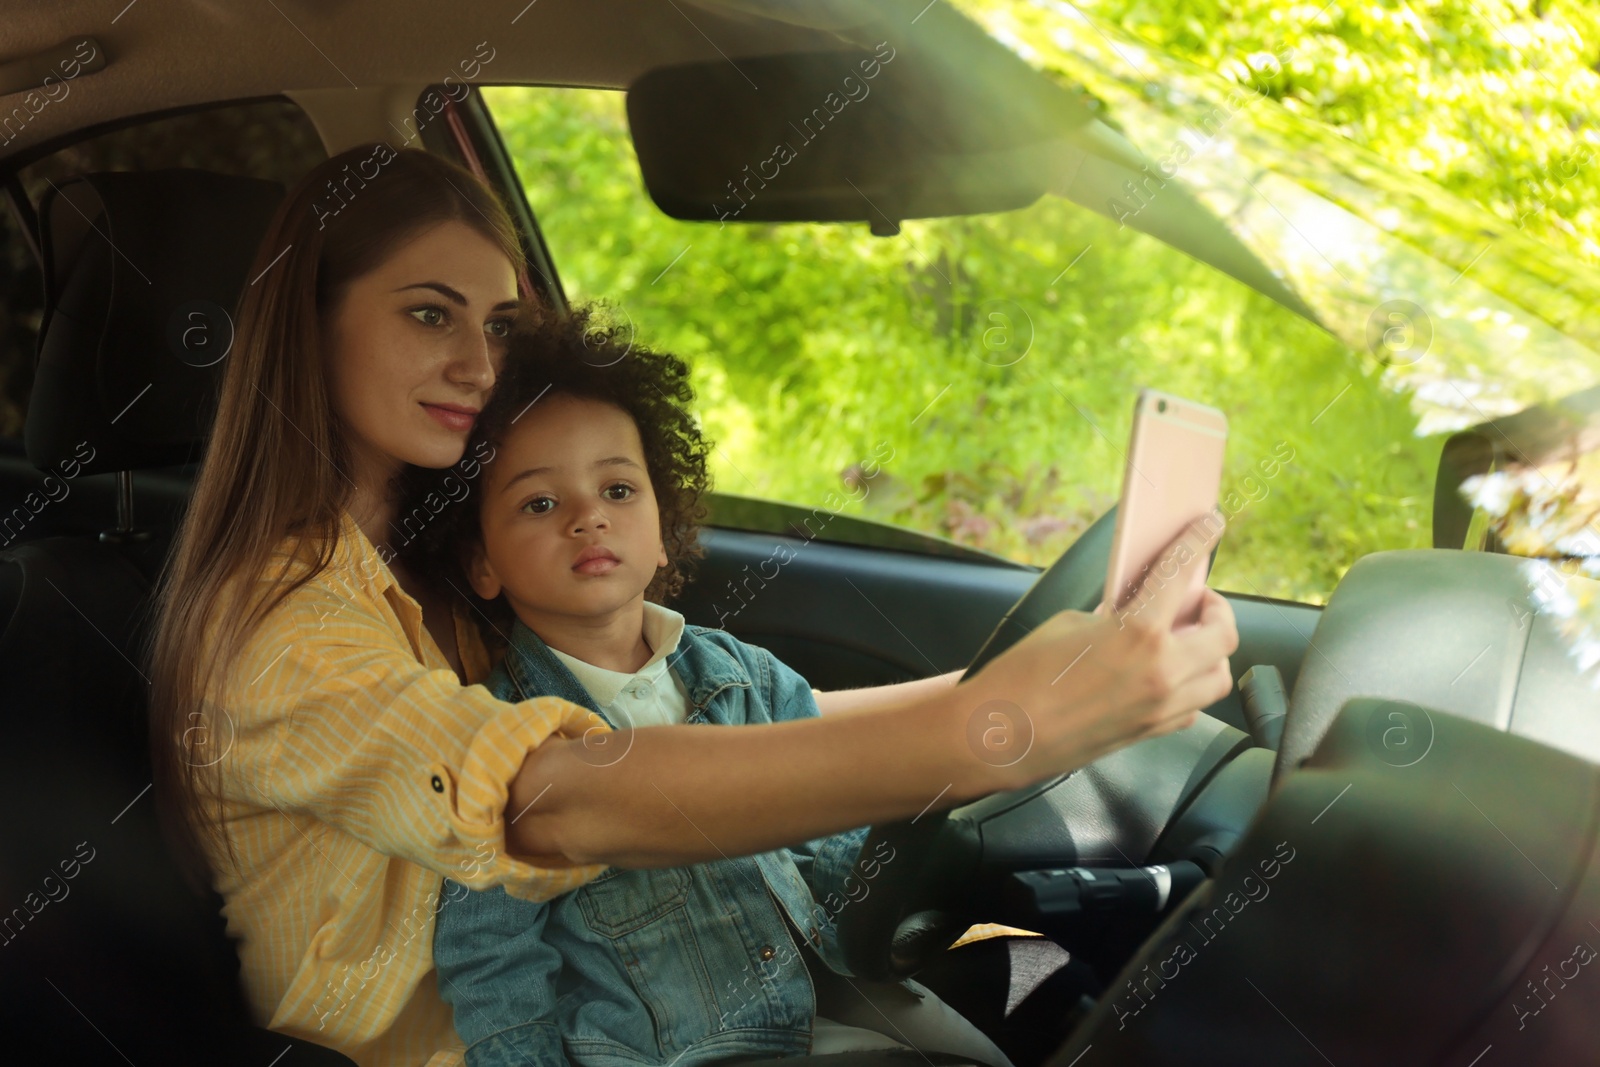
x: 413, y: 347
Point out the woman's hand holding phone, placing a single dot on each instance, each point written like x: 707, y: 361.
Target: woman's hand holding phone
x: 1090, y: 683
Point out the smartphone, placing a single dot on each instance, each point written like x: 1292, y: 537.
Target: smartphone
x: 1172, y: 477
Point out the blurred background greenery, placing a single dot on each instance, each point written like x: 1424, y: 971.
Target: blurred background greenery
x: 996, y: 358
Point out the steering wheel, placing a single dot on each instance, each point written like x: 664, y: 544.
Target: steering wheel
x: 916, y: 878
x: 903, y: 918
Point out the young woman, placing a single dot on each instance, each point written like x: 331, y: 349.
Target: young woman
x: 319, y: 739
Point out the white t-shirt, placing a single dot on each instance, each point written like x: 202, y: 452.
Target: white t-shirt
x: 654, y: 695
x: 650, y: 696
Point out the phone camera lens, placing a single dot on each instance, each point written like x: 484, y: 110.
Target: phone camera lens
x: 1161, y: 405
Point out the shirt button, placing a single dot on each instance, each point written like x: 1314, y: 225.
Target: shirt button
x: 767, y: 952
x: 438, y: 784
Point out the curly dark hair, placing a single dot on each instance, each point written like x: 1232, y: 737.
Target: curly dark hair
x: 579, y: 354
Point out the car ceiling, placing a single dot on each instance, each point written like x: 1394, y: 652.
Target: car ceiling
x: 173, y: 55
x: 358, y: 66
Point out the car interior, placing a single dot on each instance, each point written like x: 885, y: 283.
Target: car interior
x: 1422, y: 894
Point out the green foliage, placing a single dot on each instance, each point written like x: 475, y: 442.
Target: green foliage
x: 998, y: 356
x: 1488, y: 98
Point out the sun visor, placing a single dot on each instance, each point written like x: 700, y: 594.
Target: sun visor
x: 875, y: 134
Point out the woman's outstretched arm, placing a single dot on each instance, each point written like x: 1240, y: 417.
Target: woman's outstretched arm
x: 686, y: 794
x: 883, y: 696
x: 1082, y: 685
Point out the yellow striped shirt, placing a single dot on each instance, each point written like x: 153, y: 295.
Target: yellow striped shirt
x: 360, y: 770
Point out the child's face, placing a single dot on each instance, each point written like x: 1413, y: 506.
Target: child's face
x: 570, y: 523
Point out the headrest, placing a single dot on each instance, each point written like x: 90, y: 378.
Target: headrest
x: 142, y: 274
x: 1476, y: 634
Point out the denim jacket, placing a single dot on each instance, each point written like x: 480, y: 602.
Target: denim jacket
x: 684, y: 965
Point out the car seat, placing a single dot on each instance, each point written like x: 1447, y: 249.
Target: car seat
x: 105, y: 954
x: 1387, y: 912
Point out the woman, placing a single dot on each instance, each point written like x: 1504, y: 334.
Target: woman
x: 317, y: 736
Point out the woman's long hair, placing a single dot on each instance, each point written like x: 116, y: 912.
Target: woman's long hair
x: 275, y: 462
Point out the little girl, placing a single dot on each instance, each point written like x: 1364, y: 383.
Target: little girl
x: 581, y: 523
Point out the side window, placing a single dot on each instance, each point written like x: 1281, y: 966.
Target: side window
x: 264, y: 139
x: 974, y: 378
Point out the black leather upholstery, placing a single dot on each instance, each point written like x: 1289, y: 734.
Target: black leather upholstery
x: 106, y: 956
x: 142, y: 271
x: 121, y: 940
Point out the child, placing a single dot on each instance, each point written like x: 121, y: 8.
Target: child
x: 582, y: 522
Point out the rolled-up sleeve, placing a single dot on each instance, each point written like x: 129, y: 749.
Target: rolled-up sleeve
x: 333, y: 718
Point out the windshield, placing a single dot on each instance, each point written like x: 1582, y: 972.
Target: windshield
x: 1474, y: 323
x: 1472, y: 319
x: 973, y: 377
